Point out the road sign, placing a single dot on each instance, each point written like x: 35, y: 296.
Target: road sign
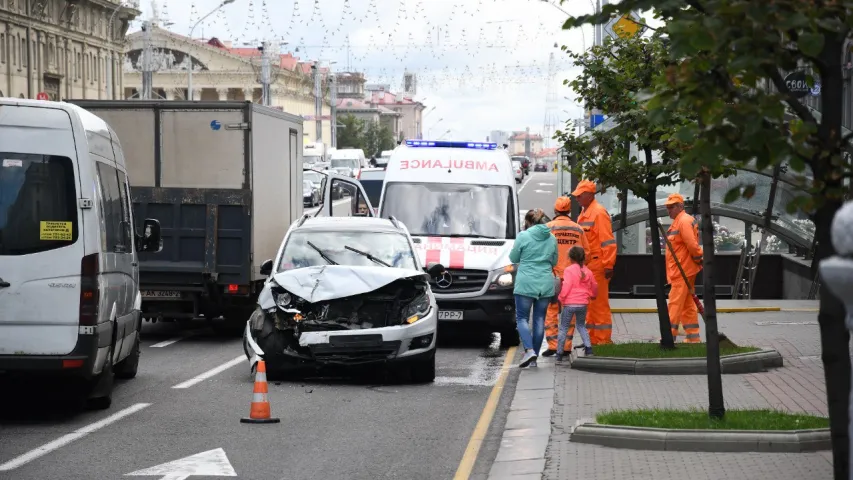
x: 212, y: 463
x: 42, y: 96
x: 215, y: 125
x: 624, y: 26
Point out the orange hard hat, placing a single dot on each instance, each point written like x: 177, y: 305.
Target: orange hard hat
x: 584, y: 186
x: 563, y: 204
x: 674, y: 198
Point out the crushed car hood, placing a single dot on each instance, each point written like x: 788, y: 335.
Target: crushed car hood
x: 328, y: 282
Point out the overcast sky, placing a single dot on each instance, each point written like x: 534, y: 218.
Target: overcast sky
x: 483, y: 64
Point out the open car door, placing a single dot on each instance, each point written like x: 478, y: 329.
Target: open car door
x: 344, y: 197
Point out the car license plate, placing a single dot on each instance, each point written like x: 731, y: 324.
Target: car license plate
x: 161, y: 294
x: 450, y: 315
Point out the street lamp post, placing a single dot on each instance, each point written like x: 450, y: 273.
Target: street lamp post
x: 109, y: 86
x: 190, y: 70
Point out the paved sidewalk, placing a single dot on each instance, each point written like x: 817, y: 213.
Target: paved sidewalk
x: 573, y: 395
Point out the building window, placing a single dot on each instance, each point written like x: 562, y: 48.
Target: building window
x: 24, y: 52
x: 2, y: 46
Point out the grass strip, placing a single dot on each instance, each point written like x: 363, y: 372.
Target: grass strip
x: 653, y: 350
x: 699, y: 420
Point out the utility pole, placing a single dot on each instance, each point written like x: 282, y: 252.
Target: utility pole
x: 266, y: 99
x: 109, y: 87
x: 147, y: 63
x: 318, y: 102
x: 333, y: 98
x: 527, y: 143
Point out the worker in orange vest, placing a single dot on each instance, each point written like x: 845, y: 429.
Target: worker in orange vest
x: 568, y: 234
x: 683, y: 235
x: 601, y: 258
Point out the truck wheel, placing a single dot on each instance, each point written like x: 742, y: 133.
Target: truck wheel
x: 233, y: 322
x: 128, y: 367
x: 424, y: 370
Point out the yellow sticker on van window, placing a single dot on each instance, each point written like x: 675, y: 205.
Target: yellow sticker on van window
x: 55, y: 231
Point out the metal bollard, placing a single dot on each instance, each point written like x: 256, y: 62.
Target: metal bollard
x: 837, y: 274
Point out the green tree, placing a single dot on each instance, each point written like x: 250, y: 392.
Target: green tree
x: 386, y: 139
x: 727, y: 62
x: 351, y: 134
x: 371, y: 138
x: 612, y: 76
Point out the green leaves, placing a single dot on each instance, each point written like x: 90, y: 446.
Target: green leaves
x: 732, y: 195
x: 810, y: 43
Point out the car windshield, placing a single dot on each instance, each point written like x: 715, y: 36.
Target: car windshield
x: 516, y: 164
x: 307, y: 186
x: 310, y: 159
x: 452, y: 209
x: 343, y: 162
x: 391, y: 248
x: 373, y: 188
x: 313, y: 177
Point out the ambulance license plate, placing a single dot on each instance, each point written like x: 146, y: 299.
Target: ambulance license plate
x: 450, y: 315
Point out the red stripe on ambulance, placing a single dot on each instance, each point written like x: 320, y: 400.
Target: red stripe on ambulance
x: 457, y: 253
x: 433, y: 255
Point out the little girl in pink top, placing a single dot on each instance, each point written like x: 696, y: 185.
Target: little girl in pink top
x: 579, y: 287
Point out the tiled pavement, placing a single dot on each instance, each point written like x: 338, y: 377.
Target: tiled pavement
x: 573, y: 395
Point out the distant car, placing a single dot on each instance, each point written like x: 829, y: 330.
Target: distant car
x: 518, y: 170
x: 525, y: 163
x: 540, y: 167
x: 345, y: 292
x: 318, y: 179
x: 310, y: 194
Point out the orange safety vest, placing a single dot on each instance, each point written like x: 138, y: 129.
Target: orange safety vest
x: 595, y: 221
x: 568, y: 235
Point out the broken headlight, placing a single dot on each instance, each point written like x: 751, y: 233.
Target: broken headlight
x: 282, y: 299
x: 503, y: 277
x: 417, y: 309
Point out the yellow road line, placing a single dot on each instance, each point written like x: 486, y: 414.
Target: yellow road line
x: 812, y: 310
x: 719, y: 310
x: 479, y: 434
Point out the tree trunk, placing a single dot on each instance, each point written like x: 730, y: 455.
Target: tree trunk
x: 666, y: 340
x: 835, y: 351
x: 716, y: 407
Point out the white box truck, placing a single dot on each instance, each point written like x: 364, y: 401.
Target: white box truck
x: 225, y: 181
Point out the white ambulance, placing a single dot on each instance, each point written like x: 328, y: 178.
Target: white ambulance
x: 459, y: 202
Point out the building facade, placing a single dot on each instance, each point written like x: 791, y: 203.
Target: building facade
x: 410, y: 110
x: 499, y: 136
x: 518, y: 143
x: 63, y: 49
x: 224, y: 72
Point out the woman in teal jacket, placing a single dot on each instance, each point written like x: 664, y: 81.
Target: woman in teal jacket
x: 535, y: 252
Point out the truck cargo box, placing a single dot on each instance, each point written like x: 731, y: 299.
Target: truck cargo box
x: 224, y: 179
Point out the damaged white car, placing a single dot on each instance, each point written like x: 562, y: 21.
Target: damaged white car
x: 345, y: 292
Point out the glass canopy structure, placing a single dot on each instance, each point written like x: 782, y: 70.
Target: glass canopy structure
x: 735, y: 223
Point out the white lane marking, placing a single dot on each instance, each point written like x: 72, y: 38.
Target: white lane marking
x: 214, y: 371
x: 66, y: 439
x: 166, y: 343
x: 546, y: 184
x: 212, y: 463
x: 524, y: 184
x: 543, y: 191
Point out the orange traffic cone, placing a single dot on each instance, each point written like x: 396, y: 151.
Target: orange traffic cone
x: 260, y: 409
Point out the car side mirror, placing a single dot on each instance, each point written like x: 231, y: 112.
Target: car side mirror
x: 435, y: 269
x: 151, y: 240
x: 266, y: 267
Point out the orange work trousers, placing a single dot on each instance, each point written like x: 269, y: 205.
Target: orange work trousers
x: 552, y: 328
x: 599, y: 320
x: 683, y: 311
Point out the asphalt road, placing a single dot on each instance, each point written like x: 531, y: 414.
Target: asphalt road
x: 538, y: 190
x: 193, y: 387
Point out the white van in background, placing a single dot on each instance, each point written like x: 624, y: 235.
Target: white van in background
x: 69, y: 275
x: 459, y: 202
x: 382, y: 161
x: 348, y: 162
x: 315, y: 156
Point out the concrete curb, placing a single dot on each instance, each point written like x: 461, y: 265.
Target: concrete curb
x: 719, y: 310
x: 641, y: 438
x: 752, y: 362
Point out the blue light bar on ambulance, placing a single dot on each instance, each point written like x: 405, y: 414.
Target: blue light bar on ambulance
x: 439, y: 144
